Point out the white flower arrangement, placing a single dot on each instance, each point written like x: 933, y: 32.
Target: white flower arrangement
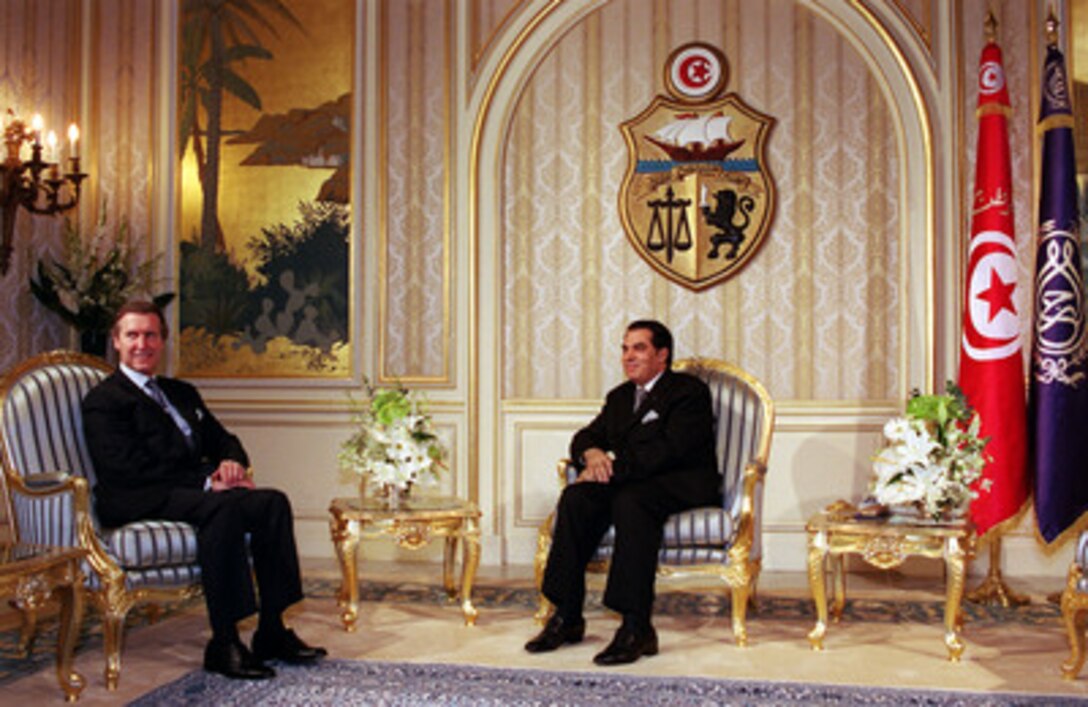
x: 934, y: 456
x: 394, y: 443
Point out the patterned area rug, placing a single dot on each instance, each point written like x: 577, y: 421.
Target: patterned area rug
x: 710, y: 603
x: 339, y: 682
x: 703, y: 603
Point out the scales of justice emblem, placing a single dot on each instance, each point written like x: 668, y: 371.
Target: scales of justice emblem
x: 697, y: 199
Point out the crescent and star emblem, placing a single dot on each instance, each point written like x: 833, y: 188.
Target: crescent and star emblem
x: 992, y: 326
x: 696, y: 71
x: 991, y: 78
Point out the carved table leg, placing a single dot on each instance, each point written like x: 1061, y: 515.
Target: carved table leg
x: 817, y: 581
x: 345, y: 538
x: 471, y: 537
x: 838, y: 581
x: 28, y: 632
x: 954, y: 562
x: 449, y: 556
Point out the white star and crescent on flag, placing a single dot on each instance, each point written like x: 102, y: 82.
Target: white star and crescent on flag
x: 992, y: 329
x: 998, y: 295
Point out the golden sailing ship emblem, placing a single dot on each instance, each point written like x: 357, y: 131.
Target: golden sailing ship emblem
x: 697, y: 199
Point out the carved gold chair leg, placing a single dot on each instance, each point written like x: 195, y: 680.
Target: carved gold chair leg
x: 540, y: 560
x: 113, y: 625
x: 740, y: 609
x: 1074, y: 618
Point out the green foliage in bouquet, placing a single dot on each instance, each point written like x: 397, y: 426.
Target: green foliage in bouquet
x: 95, y: 277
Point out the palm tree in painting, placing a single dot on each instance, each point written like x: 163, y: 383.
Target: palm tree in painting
x: 216, y: 35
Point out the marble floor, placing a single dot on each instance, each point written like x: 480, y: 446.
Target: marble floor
x: 1006, y: 657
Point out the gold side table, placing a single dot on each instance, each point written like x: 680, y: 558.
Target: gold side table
x: 411, y: 524
x: 33, y: 573
x: 885, y: 543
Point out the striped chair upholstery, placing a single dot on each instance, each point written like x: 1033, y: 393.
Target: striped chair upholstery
x: 49, y: 475
x: 720, y: 541
x: 1075, y: 607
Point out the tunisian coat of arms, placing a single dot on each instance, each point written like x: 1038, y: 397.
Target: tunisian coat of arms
x: 697, y: 199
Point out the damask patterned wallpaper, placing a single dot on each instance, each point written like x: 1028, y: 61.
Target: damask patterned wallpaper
x: 415, y: 126
x: 41, y: 56
x: 29, y: 31
x: 792, y: 317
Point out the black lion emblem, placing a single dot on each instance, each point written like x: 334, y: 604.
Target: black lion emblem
x: 727, y: 203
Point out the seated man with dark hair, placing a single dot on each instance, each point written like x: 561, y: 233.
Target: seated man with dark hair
x: 647, y: 455
x: 159, y: 453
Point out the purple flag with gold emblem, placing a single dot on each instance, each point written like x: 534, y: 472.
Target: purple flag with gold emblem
x: 1058, y: 425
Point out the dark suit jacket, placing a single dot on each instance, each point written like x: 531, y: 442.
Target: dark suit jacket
x: 672, y: 431
x: 139, y: 453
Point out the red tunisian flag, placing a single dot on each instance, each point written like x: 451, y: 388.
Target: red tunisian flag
x: 991, y: 357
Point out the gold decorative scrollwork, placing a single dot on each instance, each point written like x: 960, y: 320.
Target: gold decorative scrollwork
x: 884, y: 551
x: 413, y: 535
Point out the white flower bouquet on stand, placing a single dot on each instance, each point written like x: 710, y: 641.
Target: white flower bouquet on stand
x: 934, y: 456
x: 394, y: 445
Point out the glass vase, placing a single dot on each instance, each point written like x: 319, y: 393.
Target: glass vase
x: 394, y: 495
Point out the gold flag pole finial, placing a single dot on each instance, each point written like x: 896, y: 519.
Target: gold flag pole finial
x: 989, y: 27
x: 1051, y: 27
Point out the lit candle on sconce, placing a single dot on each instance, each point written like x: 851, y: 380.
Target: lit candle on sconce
x: 51, y: 154
x: 73, y: 140
x: 36, y: 125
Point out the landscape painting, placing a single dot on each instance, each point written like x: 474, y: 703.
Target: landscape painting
x: 264, y: 133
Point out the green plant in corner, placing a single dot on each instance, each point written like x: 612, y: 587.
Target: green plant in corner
x: 95, y: 277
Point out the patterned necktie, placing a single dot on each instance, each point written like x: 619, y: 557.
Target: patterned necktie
x: 156, y: 393
x: 640, y: 396
x: 159, y: 397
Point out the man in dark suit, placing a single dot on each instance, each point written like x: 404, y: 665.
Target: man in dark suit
x: 648, y: 454
x: 158, y: 452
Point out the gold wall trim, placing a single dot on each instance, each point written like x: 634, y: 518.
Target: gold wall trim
x: 922, y: 26
x: 482, y: 47
x: 785, y: 406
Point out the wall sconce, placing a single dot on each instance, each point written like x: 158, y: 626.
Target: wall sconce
x: 37, y: 184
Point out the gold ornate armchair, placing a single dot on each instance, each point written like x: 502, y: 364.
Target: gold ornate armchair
x: 720, y: 541
x: 1075, y: 607
x: 48, y: 475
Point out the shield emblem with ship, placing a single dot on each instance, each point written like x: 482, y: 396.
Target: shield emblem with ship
x: 697, y: 199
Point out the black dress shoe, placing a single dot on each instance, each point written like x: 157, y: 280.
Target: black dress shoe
x: 556, y: 633
x: 233, y: 659
x: 628, y: 645
x: 286, y: 646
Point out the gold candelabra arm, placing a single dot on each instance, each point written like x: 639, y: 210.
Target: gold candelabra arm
x: 37, y: 186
